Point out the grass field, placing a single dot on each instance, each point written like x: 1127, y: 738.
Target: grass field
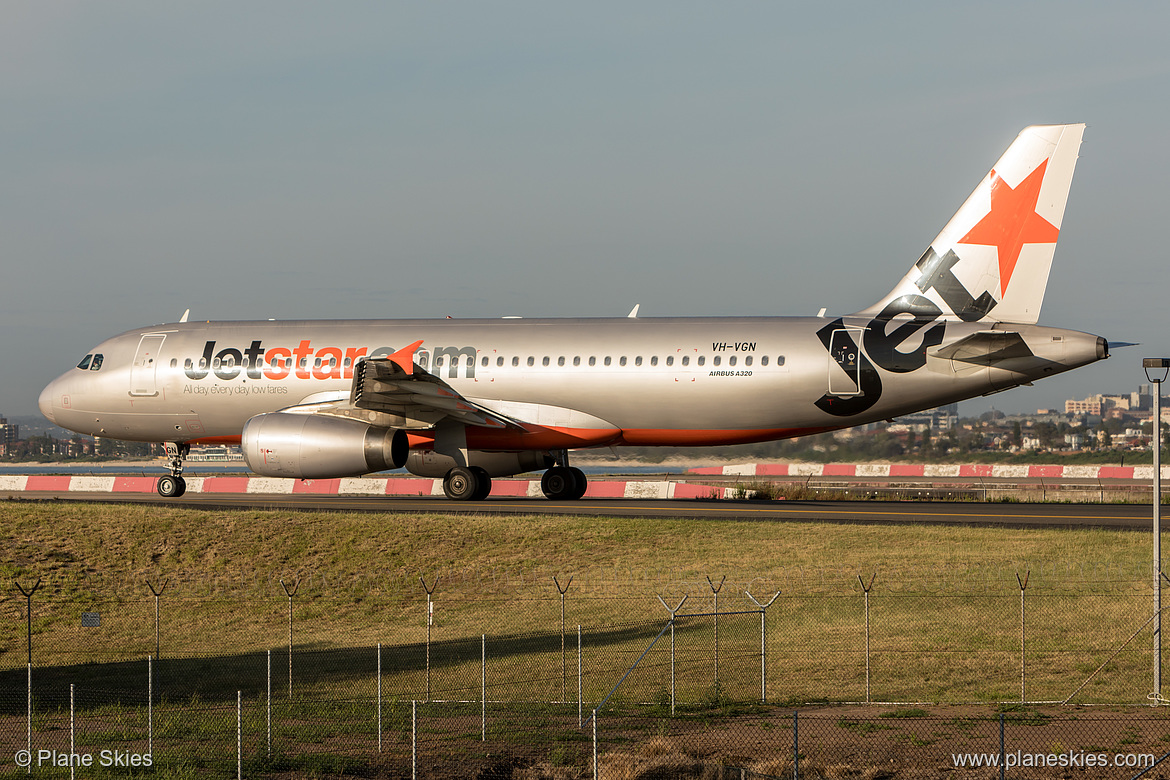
x: 944, y: 617
x: 945, y: 605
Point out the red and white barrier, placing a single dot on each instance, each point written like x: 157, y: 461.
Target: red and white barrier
x: 920, y: 470
x: 355, y: 486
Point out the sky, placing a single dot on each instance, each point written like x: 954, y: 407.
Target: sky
x: 383, y: 159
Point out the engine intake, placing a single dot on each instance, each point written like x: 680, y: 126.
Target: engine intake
x: 315, y: 446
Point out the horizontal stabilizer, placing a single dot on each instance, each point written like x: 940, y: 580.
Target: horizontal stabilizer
x: 985, y: 348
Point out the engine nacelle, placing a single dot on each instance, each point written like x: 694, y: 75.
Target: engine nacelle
x: 316, y: 446
x: 428, y: 463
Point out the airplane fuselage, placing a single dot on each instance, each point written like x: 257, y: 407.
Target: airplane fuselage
x: 582, y: 382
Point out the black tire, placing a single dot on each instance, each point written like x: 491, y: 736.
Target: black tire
x: 171, y: 487
x: 558, y: 483
x: 460, y: 484
x: 582, y: 483
x: 485, y: 483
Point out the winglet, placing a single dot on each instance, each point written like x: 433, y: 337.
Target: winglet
x: 404, y: 358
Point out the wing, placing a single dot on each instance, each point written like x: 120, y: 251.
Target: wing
x: 387, y: 386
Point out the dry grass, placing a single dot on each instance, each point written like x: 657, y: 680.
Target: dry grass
x: 945, y: 606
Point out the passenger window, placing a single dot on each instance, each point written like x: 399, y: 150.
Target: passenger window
x: 174, y: 362
x: 592, y: 361
x: 747, y: 361
x: 544, y: 362
x: 702, y: 360
x: 561, y: 361
x: 531, y: 361
x: 780, y: 360
x: 622, y: 361
x: 484, y: 361
x: 577, y: 360
x: 764, y: 360
x: 608, y: 360
x: 638, y: 360
x: 216, y: 363
x: 718, y: 360
x: 500, y: 361
x: 654, y: 360
x: 97, y: 362
x: 515, y: 361
x: 438, y: 362
x: 670, y: 360
x: 686, y: 361
x: 731, y: 360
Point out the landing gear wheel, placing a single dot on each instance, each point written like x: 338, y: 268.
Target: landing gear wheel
x: 560, y: 483
x: 484, y: 481
x: 582, y: 483
x: 171, y: 487
x: 461, y: 484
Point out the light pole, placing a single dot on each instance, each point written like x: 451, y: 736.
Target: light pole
x: 1156, y: 371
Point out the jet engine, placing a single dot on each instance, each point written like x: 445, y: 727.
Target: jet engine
x: 317, y: 446
x: 428, y: 463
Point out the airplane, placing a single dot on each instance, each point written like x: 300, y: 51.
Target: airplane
x: 469, y: 400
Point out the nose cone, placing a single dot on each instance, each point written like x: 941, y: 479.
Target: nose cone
x: 45, y: 401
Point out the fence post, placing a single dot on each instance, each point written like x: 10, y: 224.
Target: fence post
x: 28, y: 594
x: 716, y: 590
x: 594, y: 745
x: 580, y: 711
x: 239, y: 735
x: 1001, y: 747
x: 72, y: 751
x: 290, y: 594
x: 564, y: 665
x: 1023, y: 636
x: 483, y: 687
x: 268, y: 704
x: 430, y: 621
x: 795, y: 746
x: 414, y: 738
x: 149, y: 705
x: 157, y: 594
x: 30, y: 715
x: 672, y: 612
x: 867, y: 588
x: 379, y: 697
x: 763, y: 643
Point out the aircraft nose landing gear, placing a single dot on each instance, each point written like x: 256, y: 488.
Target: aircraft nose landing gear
x: 173, y: 485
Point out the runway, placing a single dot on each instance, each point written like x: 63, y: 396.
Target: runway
x: 1135, y: 517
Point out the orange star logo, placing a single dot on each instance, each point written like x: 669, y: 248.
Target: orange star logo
x: 1013, y: 222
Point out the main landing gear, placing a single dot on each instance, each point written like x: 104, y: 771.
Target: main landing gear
x: 467, y: 483
x: 563, y: 482
x: 173, y: 485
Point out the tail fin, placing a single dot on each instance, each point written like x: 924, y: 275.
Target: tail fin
x: 991, y: 261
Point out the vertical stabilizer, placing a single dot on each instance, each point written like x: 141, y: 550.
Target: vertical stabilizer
x: 991, y: 261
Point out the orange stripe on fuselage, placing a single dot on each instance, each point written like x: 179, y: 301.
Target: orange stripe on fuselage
x: 536, y: 437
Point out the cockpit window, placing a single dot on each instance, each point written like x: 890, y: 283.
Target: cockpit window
x: 97, y: 362
x: 84, y: 364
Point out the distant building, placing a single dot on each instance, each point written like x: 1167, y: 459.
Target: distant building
x: 9, y: 434
x: 1093, y: 405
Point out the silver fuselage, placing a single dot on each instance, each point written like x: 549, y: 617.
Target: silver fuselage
x: 576, y: 382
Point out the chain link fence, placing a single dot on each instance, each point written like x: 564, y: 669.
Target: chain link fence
x: 881, y: 680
